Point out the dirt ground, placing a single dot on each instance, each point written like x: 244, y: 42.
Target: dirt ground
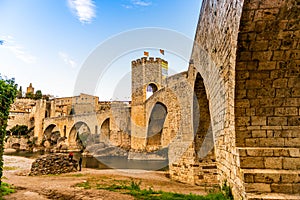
x: 63, y: 186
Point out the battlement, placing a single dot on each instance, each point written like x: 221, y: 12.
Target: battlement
x: 145, y: 60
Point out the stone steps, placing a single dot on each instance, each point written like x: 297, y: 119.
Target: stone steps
x: 269, y: 151
x: 270, y: 176
x: 272, y: 181
x: 272, y: 196
x: 273, y: 142
x: 269, y: 158
x: 270, y: 172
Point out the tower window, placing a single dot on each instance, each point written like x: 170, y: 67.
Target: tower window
x: 151, y: 88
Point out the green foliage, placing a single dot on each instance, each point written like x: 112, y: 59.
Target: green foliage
x: 29, y: 95
x: 8, y: 92
x: 5, y: 189
x: 85, y: 185
x: 77, y: 175
x: 8, y: 168
x: 20, y: 93
x: 149, y: 194
x: 38, y: 94
x: 227, y: 191
x: 20, y: 130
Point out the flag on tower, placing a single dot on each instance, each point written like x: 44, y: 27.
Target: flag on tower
x: 146, y: 53
x: 162, y: 51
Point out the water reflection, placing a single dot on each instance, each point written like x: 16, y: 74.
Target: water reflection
x: 110, y: 162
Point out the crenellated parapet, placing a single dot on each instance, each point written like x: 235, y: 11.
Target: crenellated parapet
x: 150, y: 60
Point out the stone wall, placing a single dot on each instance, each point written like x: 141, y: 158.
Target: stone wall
x: 53, y: 164
x: 213, y: 57
x: 267, y: 96
x: 247, y: 53
x: 22, y: 113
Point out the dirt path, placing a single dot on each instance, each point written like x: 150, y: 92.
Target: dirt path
x: 63, y: 186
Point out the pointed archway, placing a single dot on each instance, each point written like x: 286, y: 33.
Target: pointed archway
x: 156, y: 126
x: 205, y: 161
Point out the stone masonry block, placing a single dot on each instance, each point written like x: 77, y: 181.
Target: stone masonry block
x: 292, y: 142
x: 271, y: 142
x: 280, y: 83
x: 259, y: 152
x: 257, y: 187
x: 294, y: 121
x: 269, y: 65
x: 256, y: 120
x: 290, y: 178
x: 266, y: 178
x: 252, y: 162
x: 259, y: 133
x: 288, y: 111
x: 252, y: 84
x: 277, y: 121
x: 291, y: 163
x: 273, y: 163
x: 282, y: 188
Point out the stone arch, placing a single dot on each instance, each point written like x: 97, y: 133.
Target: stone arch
x: 156, y: 123
x: 79, y: 135
x: 151, y: 89
x: 172, y: 125
x: 205, y: 159
x: 105, y: 131
x: 16, y: 146
x: 51, y: 135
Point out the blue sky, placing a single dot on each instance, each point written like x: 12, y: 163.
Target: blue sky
x: 46, y: 42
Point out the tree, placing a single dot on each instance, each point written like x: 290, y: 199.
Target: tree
x: 8, y: 92
x: 20, y: 93
x: 21, y: 130
x: 38, y: 94
x: 29, y: 95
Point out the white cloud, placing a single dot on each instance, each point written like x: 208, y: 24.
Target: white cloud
x: 67, y: 59
x: 141, y: 3
x: 18, y: 50
x: 84, y: 10
x: 137, y: 3
x: 127, y: 6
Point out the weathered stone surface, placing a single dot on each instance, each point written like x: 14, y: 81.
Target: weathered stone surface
x: 244, y: 72
x: 53, y: 164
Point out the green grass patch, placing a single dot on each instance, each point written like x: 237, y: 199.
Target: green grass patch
x: 9, y: 168
x: 134, y: 189
x: 6, y: 189
x: 53, y: 175
x: 149, y: 194
x: 85, y: 185
x: 75, y: 175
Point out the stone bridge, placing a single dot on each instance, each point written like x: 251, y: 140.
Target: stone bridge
x: 234, y: 116
x: 68, y: 126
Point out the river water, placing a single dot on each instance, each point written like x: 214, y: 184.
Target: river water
x: 106, y: 162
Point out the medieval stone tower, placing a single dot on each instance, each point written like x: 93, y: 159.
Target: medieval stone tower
x: 148, y: 76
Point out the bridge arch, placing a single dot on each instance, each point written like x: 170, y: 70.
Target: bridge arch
x: 105, y: 131
x: 51, y: 135
x: 156, y: 124
x: 79, y: 135
x: 203, y: 144
x: 169, y: 122
x: 50, y: 128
